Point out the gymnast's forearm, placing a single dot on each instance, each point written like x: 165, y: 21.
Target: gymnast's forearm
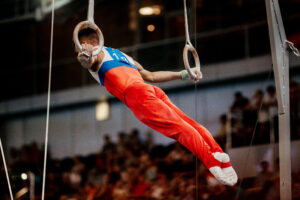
x: 163, y: 76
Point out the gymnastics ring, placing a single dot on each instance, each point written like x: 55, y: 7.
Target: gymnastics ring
x: 88, y: 24
x: 189, y: 47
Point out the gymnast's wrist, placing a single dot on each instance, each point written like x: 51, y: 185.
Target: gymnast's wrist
x: 184, y: 74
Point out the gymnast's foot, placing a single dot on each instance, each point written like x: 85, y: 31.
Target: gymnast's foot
x: 224, y: 173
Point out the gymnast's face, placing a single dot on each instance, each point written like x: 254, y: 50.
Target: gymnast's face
x: 91, y: 38
x: 88, y: 39
x: 89, y: 43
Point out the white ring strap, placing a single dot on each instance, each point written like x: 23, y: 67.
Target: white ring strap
x: 189, y: 47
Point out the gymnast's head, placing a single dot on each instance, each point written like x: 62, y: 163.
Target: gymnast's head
x: 88, y: 36
x: 89, y: 41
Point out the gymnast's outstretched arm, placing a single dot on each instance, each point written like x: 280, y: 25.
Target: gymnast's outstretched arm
x: 163, y: 76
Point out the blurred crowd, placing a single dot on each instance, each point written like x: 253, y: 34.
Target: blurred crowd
x: 127, y: 169
x: 257, y: 117
x: 135, y: 169
x: 132, y: 169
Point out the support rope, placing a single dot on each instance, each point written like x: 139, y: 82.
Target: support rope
x: 48, y: 104
x: 196, y: 117
x: 189, y: 47
x: 196, y: 92
x: 6, y: 171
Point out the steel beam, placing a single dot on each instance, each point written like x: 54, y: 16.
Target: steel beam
x: 280, y: 59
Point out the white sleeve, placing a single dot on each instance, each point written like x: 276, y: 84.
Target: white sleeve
x: 130, y: 59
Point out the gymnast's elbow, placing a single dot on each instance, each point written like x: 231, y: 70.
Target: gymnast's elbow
x: 150, y: 78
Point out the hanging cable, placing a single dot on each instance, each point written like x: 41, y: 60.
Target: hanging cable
x: 192, y: 75
x: 189, y: 47
x: 6, y: 171
x: 48, y: 104
x: 196, y: 92
x: 196, y: 116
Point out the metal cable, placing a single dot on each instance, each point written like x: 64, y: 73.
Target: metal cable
x: 196, y: 91
x: 6, y: 171
x: 48, y: 103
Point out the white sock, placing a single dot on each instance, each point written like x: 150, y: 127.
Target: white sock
x: 226, y: 176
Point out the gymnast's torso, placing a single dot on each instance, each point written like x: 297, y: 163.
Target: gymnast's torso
x: 116, y: 72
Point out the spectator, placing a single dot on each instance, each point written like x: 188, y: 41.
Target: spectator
x: 270, y: 102
x: 159, y: 188
x: 25, y: 159
x: 120, y: 191
x: 271, y: 189
x: 264, y: 175
x: 134, y: 140
x: 52, y: 186
x: 151, y: 173
x: 105, y: 189
x: 36, y: 153
x: 262, y: 134
x: 237, y: 110
x: 90, y: 191
x: 108, y: 145
x: 176, y: 154
x: 296, y: 186
x: 76, y: 173
x: 14, y: 158
x: 240, y: 102
x: 121, y: 143
x: 271, y: 99
x: 149, y: 143
x: 222, y: 131
x: 140, y: 187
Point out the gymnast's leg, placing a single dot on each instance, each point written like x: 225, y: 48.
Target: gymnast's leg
x: 201, y: 129
x: 142, y: 100
x: 215, y: 148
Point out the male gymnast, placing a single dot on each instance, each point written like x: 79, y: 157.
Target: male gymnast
x: 124, y: 78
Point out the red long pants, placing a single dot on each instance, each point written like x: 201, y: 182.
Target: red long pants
x: 153, y: 107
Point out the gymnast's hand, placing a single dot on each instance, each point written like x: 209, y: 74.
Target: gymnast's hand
x: 198, y: 74
x: 85, y: 57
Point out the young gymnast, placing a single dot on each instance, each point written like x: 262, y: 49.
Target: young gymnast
x: 124, y: 78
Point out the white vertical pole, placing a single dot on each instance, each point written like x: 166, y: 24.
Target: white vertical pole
x: 280, y: 59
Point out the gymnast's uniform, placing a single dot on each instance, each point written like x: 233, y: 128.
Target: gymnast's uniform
x: 119, y: 75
